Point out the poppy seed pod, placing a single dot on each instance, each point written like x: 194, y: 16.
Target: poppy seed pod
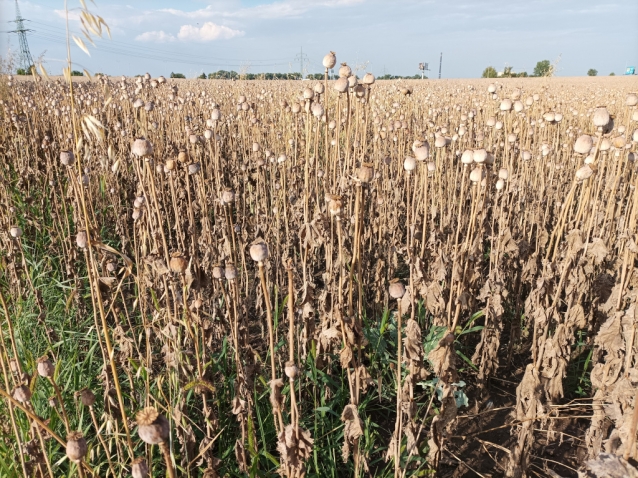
x: 584, y: 172
x: 601, y: 117
x: 142, y: 148
x: 317, y: 110
x: 491, y: 88
x: 308, y: 93
x: 518, y: 106
x: 618, y: 142
x: 479, y: 156
x: 259, y: 251
x: 366, y: 172
x: 409, y: 164
x: 149, y: 106
x: 319, y: 88
x: 45, y: 367
x: 138, y: 103
x: 291, y: 370
x: 500, y: 184
x: 368, y: 79
x: 583, y: 144
x: 330, y: 60
x: 139, y: 468
x: 352, y: 81
x: 216, y: 115
x: 447, y: 340
x: 477, y: 175
x: 334, y: 205
x: 526, y: 155
x: 81, y: 239
x: 67, y: 158
x: 152, y: 427
x: 178, y: 263
x: 182, y: 156
x: 230, y: 272
x: 396, y: 289
x: 76, y: 446
x: 422, y: 152
x: 15, y: 231
x: 467, y: 157
x: 218, y: 272
x: 506, y: 105
x: 22, y: 394
x: 632, y: 100
x: 345, y: 71
x: 87, y: 397
x: 440, y: 142
x: 503, y: 173
x: 228, y: 196
x: 341, y: 85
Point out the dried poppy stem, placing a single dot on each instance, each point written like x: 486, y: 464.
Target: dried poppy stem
x: 61, y: 403
x: 166, y: 453
x: 271, y: 336
x: 102, y: 442
x: 399, y: 422
x: 397, y: 291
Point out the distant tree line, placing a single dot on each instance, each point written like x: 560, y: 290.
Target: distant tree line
x: 233, y: 75
x: 542, y: 68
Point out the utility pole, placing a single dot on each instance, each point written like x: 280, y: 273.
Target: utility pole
x: 423, y: 67
x: 26, y: 60
x: 302, y: 58
x: 440, y: 65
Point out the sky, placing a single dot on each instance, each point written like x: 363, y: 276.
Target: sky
x: 379, y: 36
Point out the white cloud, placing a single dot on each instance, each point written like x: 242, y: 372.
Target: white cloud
x: 209, y: 31
x: 73, y: 15
x: 155, y: 37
